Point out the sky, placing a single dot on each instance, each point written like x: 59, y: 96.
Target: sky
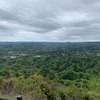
x: 50, y: 20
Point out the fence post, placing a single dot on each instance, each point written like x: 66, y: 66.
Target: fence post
x: 19, y: 97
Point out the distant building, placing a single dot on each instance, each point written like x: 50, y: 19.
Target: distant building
x: 12, y: 57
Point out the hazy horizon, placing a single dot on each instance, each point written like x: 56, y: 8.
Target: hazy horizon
x: 49, y: 41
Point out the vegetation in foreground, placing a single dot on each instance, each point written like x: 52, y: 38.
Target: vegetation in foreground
x: 50, y: 71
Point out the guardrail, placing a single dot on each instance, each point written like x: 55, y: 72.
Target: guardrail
x: 18, y: 98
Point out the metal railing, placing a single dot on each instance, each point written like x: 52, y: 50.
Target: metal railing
x: 18, y: 98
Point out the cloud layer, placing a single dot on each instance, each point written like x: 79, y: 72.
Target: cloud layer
x: 50, y: 20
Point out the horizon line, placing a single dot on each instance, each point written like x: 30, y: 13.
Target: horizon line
x: 51, y: 41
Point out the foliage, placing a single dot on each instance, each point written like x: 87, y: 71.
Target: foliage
x: 50, y: 71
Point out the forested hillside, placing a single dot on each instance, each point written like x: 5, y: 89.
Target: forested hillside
x: 50, y: 71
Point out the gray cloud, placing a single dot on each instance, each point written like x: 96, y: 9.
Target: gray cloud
x: 49, y: 20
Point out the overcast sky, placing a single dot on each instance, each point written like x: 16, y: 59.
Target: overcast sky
x: 50, y: 20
